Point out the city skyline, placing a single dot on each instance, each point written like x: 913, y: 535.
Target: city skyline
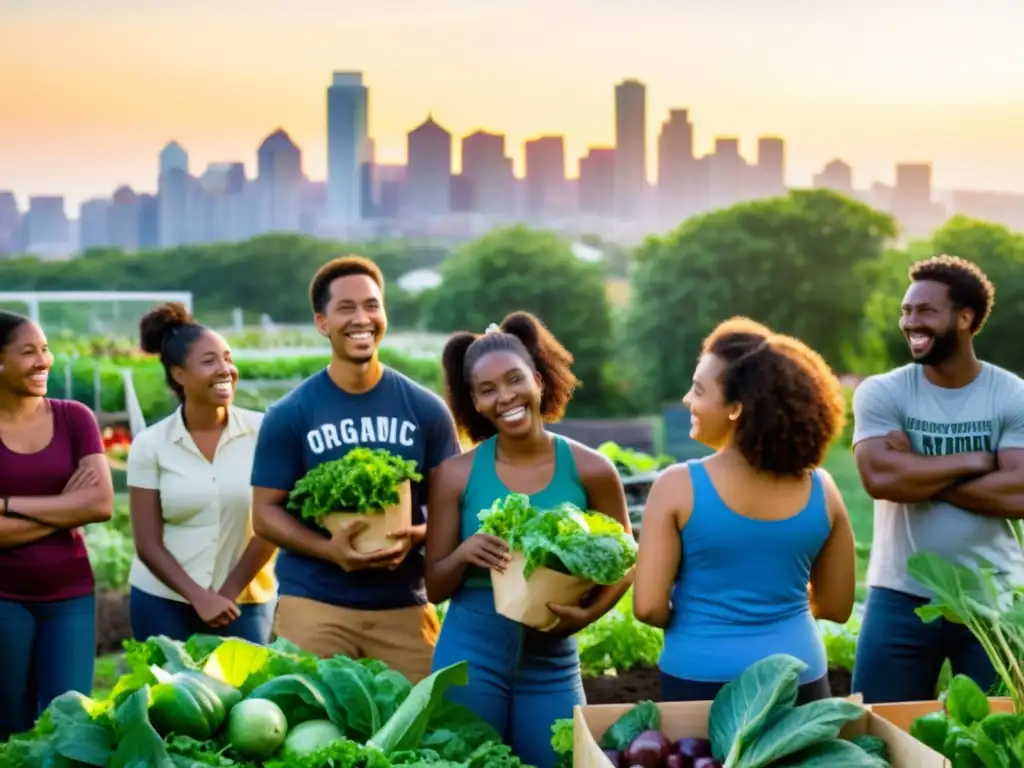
x: 95, y: 98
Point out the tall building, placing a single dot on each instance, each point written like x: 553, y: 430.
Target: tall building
x: 280, y: 182
x: 728, y: 173
x: 596, y: 188
x: 545, y: 177
x: 347, y: 142
x: 428, y: 176
x: 630, y: 148
x: 173, y: 192
x: 226, y: 217
x: 488, y: 172
x: 912, y: 202
x: 149, y: 222
x: 676, y: 168
x: 123, y: 220
x: 47, y: 229
x: 10, y: 224
x: 770, y: 172
x: 92, y: 224
x: 837, y: 176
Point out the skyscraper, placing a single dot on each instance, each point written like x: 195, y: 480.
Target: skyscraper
x: 173, y: 195
x: 488, y: 170
x: 630, y: 148
x: 347, y: 141
x: 771, y: 166
x: 546, y: 191
x: 279, y: 163
x: 428, y: 178
x: 676, y: 168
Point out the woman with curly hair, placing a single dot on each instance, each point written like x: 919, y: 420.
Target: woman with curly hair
x: 198, y: 566
x: 742, y: 550
x: 502, y: 387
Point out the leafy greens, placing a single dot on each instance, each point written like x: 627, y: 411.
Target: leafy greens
x: 386, y: 721
x: 588, y: 545
x: 364, y: 480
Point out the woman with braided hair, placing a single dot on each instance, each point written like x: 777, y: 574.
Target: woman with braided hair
x: 742, y: 550
x: 502, y: 387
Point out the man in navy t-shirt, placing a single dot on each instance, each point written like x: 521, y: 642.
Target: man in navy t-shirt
x: 335, y: 600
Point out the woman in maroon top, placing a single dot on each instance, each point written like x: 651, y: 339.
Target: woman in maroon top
x: 54, y: 478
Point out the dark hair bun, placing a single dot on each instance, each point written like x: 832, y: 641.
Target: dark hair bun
x: 158, y: 322
x: 524, y: 327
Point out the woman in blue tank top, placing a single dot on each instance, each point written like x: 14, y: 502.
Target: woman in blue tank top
x: 502, y: 387
x: 740, y: 552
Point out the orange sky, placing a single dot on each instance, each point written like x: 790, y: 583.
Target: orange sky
x: 92, y: 90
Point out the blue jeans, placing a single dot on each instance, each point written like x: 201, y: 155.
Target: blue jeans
x: 899, y: 657
x: 48, y: 648
x: 677, y: 689
x: 520, y: 680
x: 151, y: 615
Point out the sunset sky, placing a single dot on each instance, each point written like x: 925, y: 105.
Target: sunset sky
x: 90, y: 90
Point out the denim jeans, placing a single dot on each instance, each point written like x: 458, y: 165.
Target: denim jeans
x: 48, y: 648
x: 677, y: 689
x: 151, y: 615
x: 520, y: 680
x: 899, y: 657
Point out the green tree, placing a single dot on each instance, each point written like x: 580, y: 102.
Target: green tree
x: 996, y: 250
x: 796, y: 263
x: 522, y: 269
x: 268, y: 274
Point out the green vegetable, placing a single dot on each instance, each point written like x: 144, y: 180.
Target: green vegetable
x: 364, y: 480
x: 931, y: 730
x: 186, y: 706
x: 562, y: 742
x: 643, y: 717
x: 588, y: 545
x: 629, y: 462
x: 298, y: 696
x: 256, y: 728
x: 966, y: 703
x: 308, y: 737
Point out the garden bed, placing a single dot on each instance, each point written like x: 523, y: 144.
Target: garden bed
x: 112, y: 624
x: 643, y: 683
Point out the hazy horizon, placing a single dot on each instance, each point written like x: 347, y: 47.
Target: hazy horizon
x: 93, y: 90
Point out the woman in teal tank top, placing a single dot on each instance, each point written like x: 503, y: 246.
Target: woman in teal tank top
x: 502, y: 387
x: 740, y: 552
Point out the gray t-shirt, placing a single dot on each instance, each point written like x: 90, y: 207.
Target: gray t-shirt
x: 986, y: 415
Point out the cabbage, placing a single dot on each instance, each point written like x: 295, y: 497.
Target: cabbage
x: 306, y: 738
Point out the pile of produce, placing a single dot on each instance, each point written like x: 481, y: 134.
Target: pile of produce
x: 968, y: 733
x: 233, y: 704
x: 588, y: 545
x: 365, y: 480
x: 754, y: 723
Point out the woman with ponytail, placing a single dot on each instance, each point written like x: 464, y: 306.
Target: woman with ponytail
x: 198, y: 567
x: 502, y: 387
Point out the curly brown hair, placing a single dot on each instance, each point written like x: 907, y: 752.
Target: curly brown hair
x: 524, y: 335
x: 969, y: 287
x: 342, y: 266
x: 792, y: 403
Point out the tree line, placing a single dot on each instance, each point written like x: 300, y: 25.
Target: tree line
x: 812, y: 264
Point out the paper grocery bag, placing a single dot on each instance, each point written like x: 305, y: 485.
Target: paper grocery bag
x: 526, y: 600
x: 380, y: 524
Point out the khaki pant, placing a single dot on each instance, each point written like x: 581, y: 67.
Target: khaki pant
x: 403, y: 638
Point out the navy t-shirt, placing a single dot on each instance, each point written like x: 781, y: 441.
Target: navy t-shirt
x: 319, y: 422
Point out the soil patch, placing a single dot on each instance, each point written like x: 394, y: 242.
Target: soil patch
x: 112, y: 624
x: 644, y: 683
x: 840, y: 680
x: 629, y: 687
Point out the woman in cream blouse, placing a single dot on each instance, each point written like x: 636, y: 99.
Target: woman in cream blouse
x: 198, y: 568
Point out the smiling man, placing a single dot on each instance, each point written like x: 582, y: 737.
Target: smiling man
x: 940, y: 447
x: 335, y: 600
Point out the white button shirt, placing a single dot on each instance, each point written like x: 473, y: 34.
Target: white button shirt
x: 207, y: 506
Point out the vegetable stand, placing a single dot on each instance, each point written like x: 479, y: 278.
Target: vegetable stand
x: 753, y: 722
x: 690, y: 719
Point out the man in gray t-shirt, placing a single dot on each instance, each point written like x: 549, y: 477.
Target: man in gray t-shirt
x: 940, y: 447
